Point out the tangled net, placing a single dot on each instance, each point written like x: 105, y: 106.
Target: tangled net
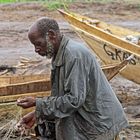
x: 9, y: 130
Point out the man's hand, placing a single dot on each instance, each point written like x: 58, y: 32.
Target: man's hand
x: 27, y: 121
x: 26, y: 102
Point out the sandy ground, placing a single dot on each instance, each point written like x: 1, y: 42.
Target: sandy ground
x: 15, y: 20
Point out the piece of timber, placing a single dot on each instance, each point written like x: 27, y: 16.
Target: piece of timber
x: 6, y: 80
x: 112, y: 70
x: 13, y: 85
x: 27, y: 87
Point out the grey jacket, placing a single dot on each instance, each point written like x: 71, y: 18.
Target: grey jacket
x: 83, y: 103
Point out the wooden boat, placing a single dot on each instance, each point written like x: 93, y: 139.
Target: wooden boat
x: 12, y: 88
x: 108, y: 42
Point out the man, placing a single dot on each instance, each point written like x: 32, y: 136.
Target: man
x: 82, y: 103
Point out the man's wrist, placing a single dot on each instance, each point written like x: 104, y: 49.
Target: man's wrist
x: 34, y: 103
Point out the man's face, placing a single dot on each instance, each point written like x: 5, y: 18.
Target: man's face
x: 42, y: 45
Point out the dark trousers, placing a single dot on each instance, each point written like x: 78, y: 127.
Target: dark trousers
x: 45, y: 131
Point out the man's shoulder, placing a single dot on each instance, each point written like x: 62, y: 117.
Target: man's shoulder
x: 75, y: 47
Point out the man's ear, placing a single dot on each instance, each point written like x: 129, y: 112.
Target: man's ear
x: 52, y: 34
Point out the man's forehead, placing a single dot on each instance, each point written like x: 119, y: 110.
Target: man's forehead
x: 33, y: 28
x: 33, y: 32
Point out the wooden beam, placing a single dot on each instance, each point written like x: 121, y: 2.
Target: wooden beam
x: 6, y: 80
x: 28, y: 87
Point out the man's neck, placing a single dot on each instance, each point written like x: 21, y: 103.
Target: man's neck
x: 57, y: 45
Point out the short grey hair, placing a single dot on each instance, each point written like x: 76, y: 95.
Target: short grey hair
x: 44, y: 24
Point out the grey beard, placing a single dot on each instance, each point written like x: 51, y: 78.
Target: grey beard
x: 50, y: 51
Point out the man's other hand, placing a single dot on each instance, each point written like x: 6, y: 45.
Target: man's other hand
x: 26, y: 102
x: 27, y: 121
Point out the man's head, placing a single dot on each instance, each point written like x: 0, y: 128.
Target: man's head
x: 45, y: 35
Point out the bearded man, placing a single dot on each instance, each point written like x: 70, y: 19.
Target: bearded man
x: 82, y: 105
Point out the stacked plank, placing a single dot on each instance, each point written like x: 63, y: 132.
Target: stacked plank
x: 12, y: 88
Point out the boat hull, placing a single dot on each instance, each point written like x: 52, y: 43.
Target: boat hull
x: 111, y: 55
x: 108, y: 43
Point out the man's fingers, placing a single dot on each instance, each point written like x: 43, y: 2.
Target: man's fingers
x: 26, y: 102
x: 28, y: 125
x: 21, y: 100
x: 23, y: 105
x: 27, y: 121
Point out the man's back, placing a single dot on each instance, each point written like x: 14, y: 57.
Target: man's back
x: 96, y: 109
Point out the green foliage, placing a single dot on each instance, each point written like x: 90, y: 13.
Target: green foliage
x: 13, y: 1
x: 7, y: 1
x: 53, y: 5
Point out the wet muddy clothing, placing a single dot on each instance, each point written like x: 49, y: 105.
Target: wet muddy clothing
x: 83, y: 103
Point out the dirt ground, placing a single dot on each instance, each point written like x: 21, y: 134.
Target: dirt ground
x: 15, y: 20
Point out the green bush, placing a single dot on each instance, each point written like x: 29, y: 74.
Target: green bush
x: 53, y: 5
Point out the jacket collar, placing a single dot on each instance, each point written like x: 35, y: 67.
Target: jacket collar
x: 59, y: 56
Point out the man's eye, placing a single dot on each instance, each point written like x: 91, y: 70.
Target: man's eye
x: 38, y: 43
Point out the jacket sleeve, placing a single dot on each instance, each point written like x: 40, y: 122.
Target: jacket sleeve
x: 75, y: 88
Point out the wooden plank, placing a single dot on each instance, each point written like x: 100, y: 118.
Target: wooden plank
x: 6, y: 80
x: 28, y: 87
x: 111, y: 71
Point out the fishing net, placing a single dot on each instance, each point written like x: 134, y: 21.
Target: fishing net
x: 8, y: 125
